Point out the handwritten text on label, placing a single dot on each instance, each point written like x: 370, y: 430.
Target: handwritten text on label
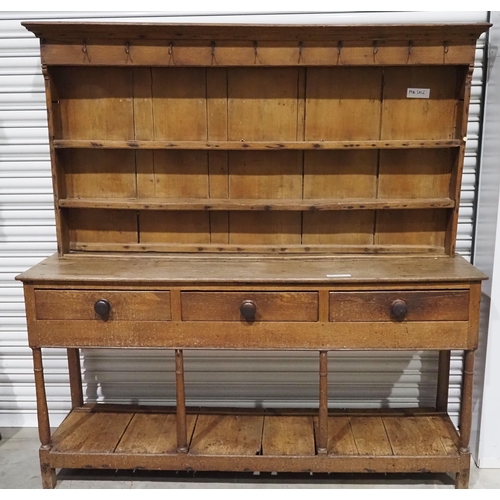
x: 418, y: 93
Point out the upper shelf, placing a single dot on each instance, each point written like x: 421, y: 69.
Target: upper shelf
x: 256, y: 145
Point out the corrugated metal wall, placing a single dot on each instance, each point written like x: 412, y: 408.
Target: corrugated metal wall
x: 27, y: 235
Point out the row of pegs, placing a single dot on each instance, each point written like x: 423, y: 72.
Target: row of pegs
x: 255, y: 46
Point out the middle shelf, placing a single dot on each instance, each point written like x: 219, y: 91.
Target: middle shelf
x: 211, y: 204
x: 257, y: 145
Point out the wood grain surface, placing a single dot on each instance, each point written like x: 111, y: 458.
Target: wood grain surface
x: 198, y: 166
x: 101, y: 268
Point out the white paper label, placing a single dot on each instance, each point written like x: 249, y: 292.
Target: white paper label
x: 418, y: 93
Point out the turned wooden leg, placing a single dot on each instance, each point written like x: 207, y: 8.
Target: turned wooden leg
x: 443, y: 381
x: 48, y: 472
x: 322, y: 433
x: 49, y: 479
x: 182, y: 445
x: 462, y: 478
x: 75, y: 377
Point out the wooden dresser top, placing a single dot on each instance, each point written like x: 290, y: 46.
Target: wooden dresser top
x: 250, y: 269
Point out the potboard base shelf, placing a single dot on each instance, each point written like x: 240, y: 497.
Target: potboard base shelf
x: 248, y: 441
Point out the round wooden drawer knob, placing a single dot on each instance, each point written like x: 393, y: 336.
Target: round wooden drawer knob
x: 248, y: 309
x: 102, y: 307
x: 399, y: 309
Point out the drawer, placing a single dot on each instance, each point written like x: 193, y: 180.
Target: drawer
x: 425, y: 305
x: 123, y: 305
x: 268, y: 306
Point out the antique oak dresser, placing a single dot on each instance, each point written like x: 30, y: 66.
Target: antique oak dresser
x: 264, y: 188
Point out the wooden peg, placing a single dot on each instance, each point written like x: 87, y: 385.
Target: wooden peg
x: 171, y: 53
x: 127, y: 51
x: 256, y: 54
x: 410, y: 45
x: 85, y: 51
x: 339, y: 50
x: 213, y: 53
x: 300, y: 52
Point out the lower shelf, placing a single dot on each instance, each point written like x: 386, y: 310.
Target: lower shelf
x: 381, y: 441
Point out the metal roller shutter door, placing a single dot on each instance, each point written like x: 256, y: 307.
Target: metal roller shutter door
x: 27, y: 235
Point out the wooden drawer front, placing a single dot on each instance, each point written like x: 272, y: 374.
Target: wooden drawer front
x: 271, y: 306
x: 125, y: 306
x: 422, y: 305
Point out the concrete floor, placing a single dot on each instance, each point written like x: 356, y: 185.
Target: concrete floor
x: 19, y: 469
